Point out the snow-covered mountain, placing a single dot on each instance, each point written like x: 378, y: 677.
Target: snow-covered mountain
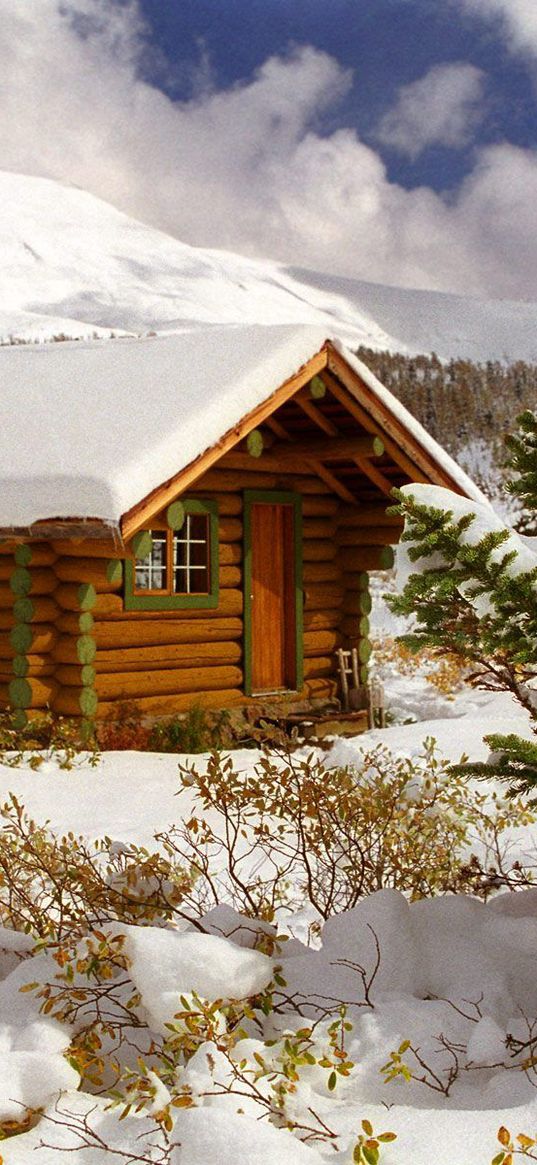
x: 74, y: 266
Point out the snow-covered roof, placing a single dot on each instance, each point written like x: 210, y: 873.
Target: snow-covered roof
x: 91, y: 428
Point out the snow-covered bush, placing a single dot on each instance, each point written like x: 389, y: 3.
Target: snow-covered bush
x: 291, y: 831
x: 54, y: 886
x: 287, y: 834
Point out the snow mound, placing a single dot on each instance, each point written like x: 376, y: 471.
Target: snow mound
x: 165, y: 964
x: 223, y: 1137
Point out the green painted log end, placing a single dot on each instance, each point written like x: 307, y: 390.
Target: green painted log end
x: 87, y: 596
x: 175, y: 515
x: 86, y: 649
x: 23, y: 555
x: 20, y: 693
x: 317, y: 388
x: 88, y: 702
x: 255, y: 443
x: 142, y: 544
x: 21, y: 637
x: 21, y: 581
x: 20, y: 666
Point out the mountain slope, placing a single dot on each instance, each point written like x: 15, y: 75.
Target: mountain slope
x: 72, y: 265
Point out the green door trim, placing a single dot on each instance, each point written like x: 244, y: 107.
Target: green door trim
x: 251, y: 496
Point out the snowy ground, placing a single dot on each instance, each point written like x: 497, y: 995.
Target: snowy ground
x: 455, y: 977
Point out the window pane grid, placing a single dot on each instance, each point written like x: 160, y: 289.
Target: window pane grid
x: 186, y: 564
x: 179, y: 563
x: 151, y: 571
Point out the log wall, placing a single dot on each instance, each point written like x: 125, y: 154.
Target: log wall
x: 66, y: 641
x: 28, y: 627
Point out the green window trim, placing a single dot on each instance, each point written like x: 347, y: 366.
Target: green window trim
x: 250, y: 496
x: 136, y: 601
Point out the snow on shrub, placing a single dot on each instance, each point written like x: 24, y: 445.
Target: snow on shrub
x: 291, y: 830
x: 165, y: 964
x: 165, y: 987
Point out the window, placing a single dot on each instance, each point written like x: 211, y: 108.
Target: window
x: 176, y: 567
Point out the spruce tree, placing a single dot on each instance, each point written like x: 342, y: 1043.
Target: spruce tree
x: 475, y: 595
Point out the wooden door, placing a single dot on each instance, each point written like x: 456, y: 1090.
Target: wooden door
x: 272, y: 597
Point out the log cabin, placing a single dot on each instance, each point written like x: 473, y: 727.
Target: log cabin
x: 191, y: 519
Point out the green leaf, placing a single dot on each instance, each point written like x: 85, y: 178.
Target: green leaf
x: 332, y: 1081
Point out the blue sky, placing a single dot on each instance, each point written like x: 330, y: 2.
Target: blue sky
x: 386, y: 44
x: 387, y: 140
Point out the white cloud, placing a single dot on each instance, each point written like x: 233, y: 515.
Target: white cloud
x: 245, y: 168
x: 441, y: 108
x: 519, y: 19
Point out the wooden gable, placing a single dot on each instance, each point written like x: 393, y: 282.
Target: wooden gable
x: 325, y: 418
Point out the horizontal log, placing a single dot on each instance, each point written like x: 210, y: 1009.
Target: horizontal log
x: 230, y: 529
x: 230, y: 602
x: 72, y: 675
x: 39, y: 638
x: 36, y: 553
x: 322, y: 688
x: 224, y: 480
x: 314, y: 572
x: 38, y: 609
x: 7, y: 598
x: 356, y: 603
x: 366, y: 558
x: 138, y: 634
x: 313, y: 528
x: 7, y: 566
x: 69, y: 623
x: 319, y: 507
x: 230, y: 553
x: 355, y: 627
x: 322, y: 620
x: 168, y: 655
x: 240, y: 462
x: 78, y: 649
x: 326, y: 449
x: 87, y: 570
x: 229, y: 504
x: 367, y: 515
x: 369, y: 535
x: 30, y: 581
x: 44, y: 581
x: 67, y: 596
x: 67, y: 701
x: 318, y: 550
x: 6, y: 618
x: 40, y: 553
x: 126, y: 685
x: 89, y: 548
x: 105, y: 606
x: 357, y: 580
x: 230, y: 576
x: 37, y: 665
x: 322, y: 595
x: 319, y: 665
x: 321, y: 642
x: 41, y: 693
x: 160, y: 706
